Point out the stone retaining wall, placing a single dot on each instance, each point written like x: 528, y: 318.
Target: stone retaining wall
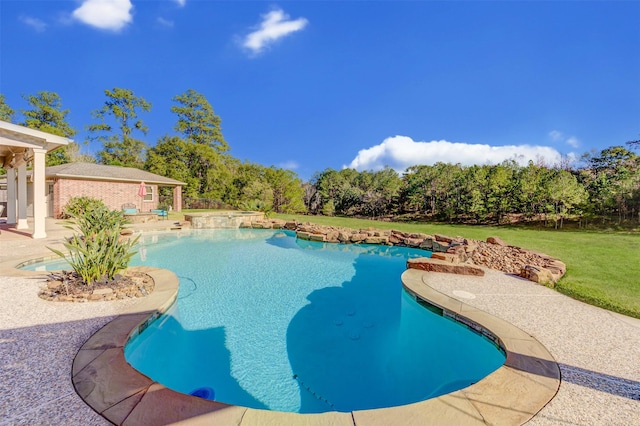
x: 450, y: 254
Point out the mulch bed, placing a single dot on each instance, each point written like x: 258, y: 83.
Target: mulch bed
x: 67, y: 286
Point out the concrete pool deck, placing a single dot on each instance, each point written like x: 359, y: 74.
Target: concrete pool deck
x: 598, y: 352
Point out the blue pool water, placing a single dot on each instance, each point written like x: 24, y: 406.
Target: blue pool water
x: 267, y: 321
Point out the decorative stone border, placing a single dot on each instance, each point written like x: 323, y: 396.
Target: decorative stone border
x: 511, y: 395
x: 494, y: 253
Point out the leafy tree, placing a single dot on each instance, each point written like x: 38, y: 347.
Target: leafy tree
x: 339, y: 187
x: 46, y: 114
x: 287, y: 190
x: 500, y: 189
x: 474, y: 190
x: 197, y: 122
x: 120, y: 148
x: 532, y: 196
x: 612, y: 178
x: 6, y: 113
x: 565, y: 193
x: 198, y: 156
x: 206, y: 173
x: 380, y: 191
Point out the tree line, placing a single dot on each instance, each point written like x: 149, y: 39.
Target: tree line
x: 197, y: 154
x: 604, y: 187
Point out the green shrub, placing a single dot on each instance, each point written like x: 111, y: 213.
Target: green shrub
x: 97, y: 251
x: 78, y: 205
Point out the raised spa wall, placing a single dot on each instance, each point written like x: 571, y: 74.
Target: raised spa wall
x: 223, y: 220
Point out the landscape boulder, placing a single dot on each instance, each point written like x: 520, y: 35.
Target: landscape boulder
x: 538, y: 274
x: 437, y: 265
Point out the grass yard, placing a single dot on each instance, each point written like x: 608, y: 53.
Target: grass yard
x: 603, y: 268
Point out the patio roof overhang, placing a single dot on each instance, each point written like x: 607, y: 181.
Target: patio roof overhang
x: 16, y: 143
x: 19, y: 145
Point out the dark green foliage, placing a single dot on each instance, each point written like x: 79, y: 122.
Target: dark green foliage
x: 120, y: 148
x: 77, y: 206
x: 46, y: 114
x: 197, y: 121
x: 97, y: 250
x: 608, y: 186
x: 6, y: 113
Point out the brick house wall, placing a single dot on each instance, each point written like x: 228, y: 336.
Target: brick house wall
x: 113, y: 194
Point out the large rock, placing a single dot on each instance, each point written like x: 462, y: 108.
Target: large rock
x: 442, y: 238
x: 538, y: 274
x: 359, y: 237
x: 496, y: 240
x: 436, y: 265
x: 292, y: 225
x: 413, y: 242
x: 333, y: 236
x: 427, y: 244
x: 377, y: 240
x: 440, y: 246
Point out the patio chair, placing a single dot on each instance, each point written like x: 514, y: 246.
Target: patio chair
x: 162, y: 214
x: 129, y: 208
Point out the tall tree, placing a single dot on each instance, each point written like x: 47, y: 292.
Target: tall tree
x: 46, y: 114
x: 120, y: 148
x: 201, y: 148
x: 6, y: 113
x: 197, y: 122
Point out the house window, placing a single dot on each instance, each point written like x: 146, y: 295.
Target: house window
x: 148, y: 196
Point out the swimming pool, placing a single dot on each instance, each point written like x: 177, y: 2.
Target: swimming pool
x: 264, y: 320
x: 268, y: 321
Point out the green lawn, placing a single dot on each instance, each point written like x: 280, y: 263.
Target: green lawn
x: 603, y: 268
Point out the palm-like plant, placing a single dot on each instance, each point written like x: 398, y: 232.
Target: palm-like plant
x: 97, y: 251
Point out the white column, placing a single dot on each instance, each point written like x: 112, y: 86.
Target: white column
x: 22, y: 196
x: 11, y: 196
x: 39, y: 185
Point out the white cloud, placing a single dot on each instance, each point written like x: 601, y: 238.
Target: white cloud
x: 558, y: 136
x: 35, y: 23
x: 274, y: 25
x: 400, y: 152
x: 165, y: 22
x: 573, y: 141
x: 181, y: 2
x: 110, y: 15
x: 291, y: 165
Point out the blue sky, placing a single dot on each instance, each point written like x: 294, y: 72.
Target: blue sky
x: 308, y: 85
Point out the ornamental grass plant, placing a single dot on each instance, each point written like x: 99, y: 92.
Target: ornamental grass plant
x: 97, y: 251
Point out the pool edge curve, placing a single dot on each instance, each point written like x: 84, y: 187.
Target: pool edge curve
x: 512, y: 394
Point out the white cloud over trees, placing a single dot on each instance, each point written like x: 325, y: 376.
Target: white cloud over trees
x: 400, y: 152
